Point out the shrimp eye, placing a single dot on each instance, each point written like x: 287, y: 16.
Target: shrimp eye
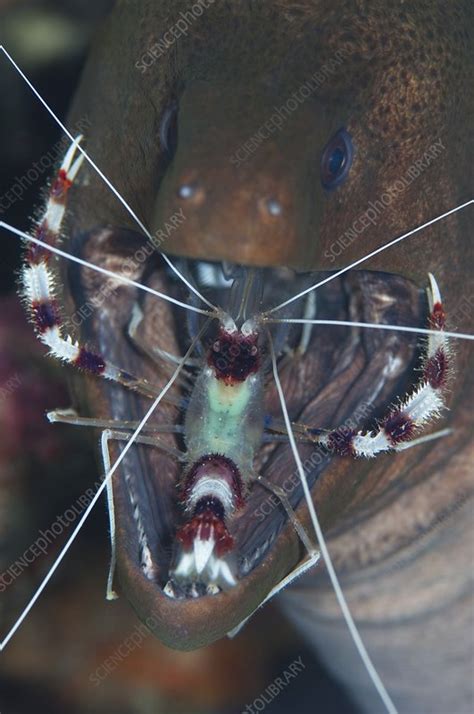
x: 336, y: 160
x: 169, y: 129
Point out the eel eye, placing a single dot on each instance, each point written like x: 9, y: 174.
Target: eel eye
x: 169, y: 129
x: 336, y: 160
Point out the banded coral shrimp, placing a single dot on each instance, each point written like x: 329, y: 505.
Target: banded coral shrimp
x: 396, y: 430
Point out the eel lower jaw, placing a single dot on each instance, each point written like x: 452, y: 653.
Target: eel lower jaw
x: 345, y: 373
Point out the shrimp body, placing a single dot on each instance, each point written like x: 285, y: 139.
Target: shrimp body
x: 225, y: 417
x: 223, y: 429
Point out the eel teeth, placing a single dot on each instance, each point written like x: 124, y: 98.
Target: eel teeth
x: 176, y: 592
x: 249, y: 562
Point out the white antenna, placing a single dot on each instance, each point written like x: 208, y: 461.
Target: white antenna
x: 102, y: 486
x: 99, y: 269
x: 372, y: 326
x: 104, y: 178
x: 368, y: 256
x: 373, y: 674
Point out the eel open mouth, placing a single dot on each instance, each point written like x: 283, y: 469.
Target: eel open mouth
x: 344, y: 376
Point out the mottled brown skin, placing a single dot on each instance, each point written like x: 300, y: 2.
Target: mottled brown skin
x: 401, y: 88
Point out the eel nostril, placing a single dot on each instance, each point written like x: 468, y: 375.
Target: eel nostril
x: 192, y: 193
x: 187, y: 191
x: 273, y: 207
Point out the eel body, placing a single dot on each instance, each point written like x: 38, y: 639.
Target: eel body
x: 201, y: 121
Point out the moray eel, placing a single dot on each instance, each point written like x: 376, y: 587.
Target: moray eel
x: 302, y: 134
